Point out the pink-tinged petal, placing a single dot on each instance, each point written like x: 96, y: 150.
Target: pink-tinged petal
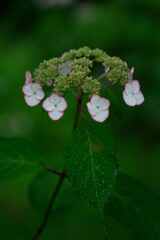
x: 40, y: 94
x: 31, y: 89
x: 31, y: 101
x: 92, y: 109
x: 58, y: 102
x: 139, y: 98
x: 129, y: 99
x: 100, y: 103
x: 28, y: 77
x: 95, y: 99
x: 36, y: 87
x: 62, y: 105
x: 48, y: 105
x: 104, y: 103
x: 135, y: 86
x: 101, y: 116
x: 54, y: 115
x: 132, y: 87
x: 27, y: 89
x: 129, y: 88
x: 54, y: 98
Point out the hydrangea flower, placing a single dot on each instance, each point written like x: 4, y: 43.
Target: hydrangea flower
x: 74, y: 71
x: 55, y: 105
x: 132, y: 94
x: 33, y: 92
x: 98, y: 108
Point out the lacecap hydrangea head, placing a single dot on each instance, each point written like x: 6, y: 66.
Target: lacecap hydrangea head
x: 74, y: 71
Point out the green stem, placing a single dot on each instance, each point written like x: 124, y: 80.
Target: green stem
x: 49, y: 169
x: 62, y: 176
x: 103, y: 75
x: 78, y: 110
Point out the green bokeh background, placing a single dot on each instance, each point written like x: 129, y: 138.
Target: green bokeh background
x: 31, y: 32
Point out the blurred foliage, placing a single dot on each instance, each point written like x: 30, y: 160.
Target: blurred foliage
x: 134, y: 206
x: 17, y: 157
x: 30, y: 34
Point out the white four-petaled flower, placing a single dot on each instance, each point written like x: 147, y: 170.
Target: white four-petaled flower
x: 33, y: 92
x: 132, y: 94
x: 98, y: 108
x: 55, y: 105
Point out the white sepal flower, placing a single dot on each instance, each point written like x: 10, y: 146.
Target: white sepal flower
x: 132, y: 94
x: 98, y: 108
x: 33, y: 92
x: 55, y: 105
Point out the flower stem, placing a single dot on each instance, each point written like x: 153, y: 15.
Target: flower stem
x: 78, y: 110
x: 103, y: 75
x: 47, y: 213
x: 62, y: 176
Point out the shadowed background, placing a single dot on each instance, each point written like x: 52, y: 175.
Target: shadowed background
x: 35, y: 30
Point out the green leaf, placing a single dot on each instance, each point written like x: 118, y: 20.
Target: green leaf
x: 41, y: 188
x: 17, y: 157
x: 91, y: 168
x: 136, y: 208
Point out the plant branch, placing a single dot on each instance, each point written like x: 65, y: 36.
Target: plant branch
x: 55, y: 193
x: 51, y: 170
x: 103, y: 75
x: 62, y: 176
x: 78, y: 110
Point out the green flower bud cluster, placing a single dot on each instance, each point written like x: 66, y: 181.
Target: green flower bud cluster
x: 73, y: 70
x: 118, y: 70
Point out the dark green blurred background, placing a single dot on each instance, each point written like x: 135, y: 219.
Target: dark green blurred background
x: 34, y: 30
